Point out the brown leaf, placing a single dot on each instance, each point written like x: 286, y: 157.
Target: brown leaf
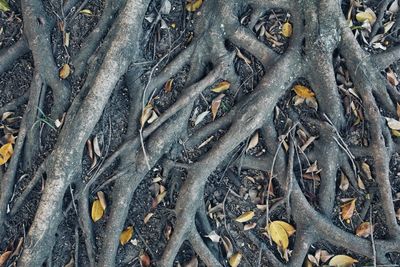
x: 235, y: 259
x: 364, y: 229
x: 168, y: 85
x: 360, y: 183
x: 366, y: 170
x: 347, y: 209
x: 215, y: 105
x: 4, y: 257
x: 391, y: 76
x: 65, y: 71
x: 220, y: 87
x: 146, y: 113
x: 126, y: 235
x: 398, y: 110
x: 158, y: 199
x: 145, y: 260
x: 97, y: 210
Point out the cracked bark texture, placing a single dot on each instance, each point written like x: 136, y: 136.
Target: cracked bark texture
x: 319, y: 30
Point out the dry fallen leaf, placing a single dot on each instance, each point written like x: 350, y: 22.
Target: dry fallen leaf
x: 235, y: 259
x: 347, y: 209
x: 102, y: 199
x: 193, y: 5
x: 201, y: 117
x: 368, y: 15
x: 288, y: 227
x: 342, y: 261
x: 4, y: 257
x: 168, y: 85
x: 303, y: 91
x: 86, y: 12
x: 240, y: 55
x: 145, y: 260
x: 366, y: 170
x: 213, y: 236
x: 227, y: 246
x: 6, y: 152
x: 344, y: 182
x: 4, y: 6
x: 393, y: 124
x: 391, y: 76
x: 364, y: 229
x: 245, y: 217
x: 146, y: 113
x: 158, y: 199
x: 97, y: 210
x: 220, y: 87
x: 126, y: 235
x: 253, y: 141
x: 287, y: 29
x: 278, y: 234
x: 215, y: 105
x: 65, y: 71
x: 147, y: 217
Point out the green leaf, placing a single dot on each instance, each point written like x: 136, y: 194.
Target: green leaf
x: 4, y: 6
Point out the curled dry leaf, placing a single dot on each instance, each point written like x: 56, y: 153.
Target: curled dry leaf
x: 97, y: 210
x: 65, y: 71
x: 278, y: 234
x: 168, y: 85
x: 6, y: 152
x: 287, y: 29
x: 364, y: 229
x: 245, y: 217
x: 303, y: 91
x: 342, y: 261
x: 193, y: 5
x: 146, y: 113
x: 147, y: 217
x: 126, y: 235
x: 235, y: 259
x: 366, y: 170
x: 4, y: 257
x: 215, y: 105
x: 253, y: 142
x: 227, y: 246
x: 221, y: 87
x: 86, y: 12
x: 4, y: 6
x: 347, y: 209
x: 102, y: 199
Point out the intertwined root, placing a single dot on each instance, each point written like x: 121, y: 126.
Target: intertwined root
x: 319, y: 32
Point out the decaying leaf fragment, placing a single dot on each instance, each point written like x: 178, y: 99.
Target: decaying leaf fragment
x: 235, y: 259
x: 347, y: 209
x: 215, y: 105
x: 126, y: 235
x: 6, y: 152
x: 221, y: 87
x: 367, y: 15
x: 145, y: 260
x: 65, y: 71
x: 253, y: 141
x: 287, y: 29
x: 245, y: 217
x: 342, y: 261
x: 146, y: 114
x: 344, y: 182
x: 168, y: 85
x: 364, y: 229
x: 193, y: 5
x: 97, y: 210
x: 393, y: 124
x: 227, y: 246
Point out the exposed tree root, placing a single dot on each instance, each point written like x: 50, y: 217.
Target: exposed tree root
x: 320, y: 31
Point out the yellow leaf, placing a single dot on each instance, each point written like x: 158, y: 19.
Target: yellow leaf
x: 97, y: 210
x: 65, y: 71
x: 287, y: 29
x: 168, y: 85
x: 247, y: 216
x: 146, y: 114
x: 222, y: 86
x: 215, y: 105
x: 395, y: 133
x: 342, y: 261
x: 364, y: 229
x: 4, y: 6
x: 347, y: 209
x: 6, y: 152
x: 278, y: 234
x: 288, y: 227
x: 126, y: 235
x: 235, y: 259
x: 87, y: 12
x: 193, y: 5
x: 367, y: 15
x: 303, y: 91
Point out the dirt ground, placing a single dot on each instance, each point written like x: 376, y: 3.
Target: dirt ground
x: 230, y: 191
